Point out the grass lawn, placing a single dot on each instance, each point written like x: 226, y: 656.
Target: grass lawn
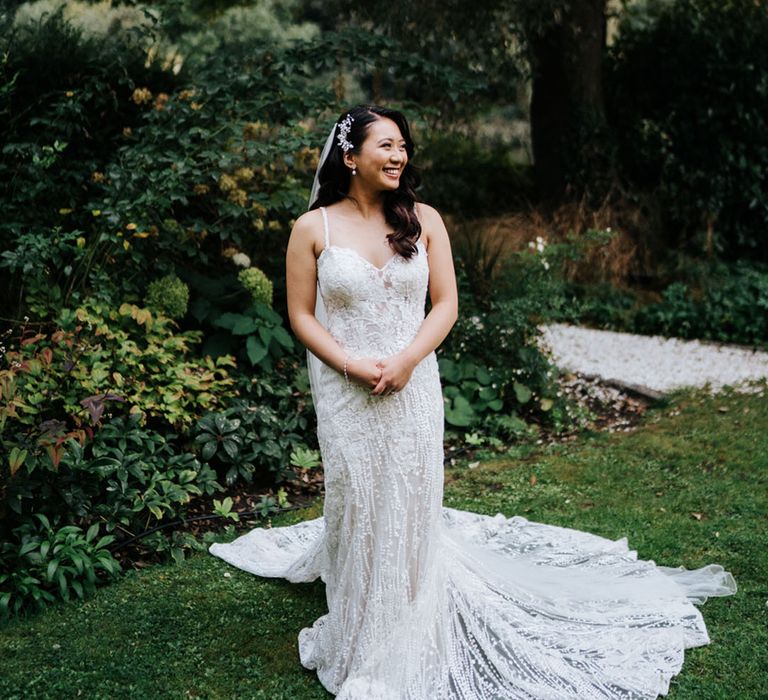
x: 688, y: 487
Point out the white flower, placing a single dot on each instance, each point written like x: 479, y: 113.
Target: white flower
x: 241, y: 260
x: 476, y: 322
x: 545, y: 263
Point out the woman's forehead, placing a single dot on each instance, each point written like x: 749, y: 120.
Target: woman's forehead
x: 384, y: 128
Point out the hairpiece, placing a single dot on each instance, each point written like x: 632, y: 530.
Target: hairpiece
x: 344, y: 126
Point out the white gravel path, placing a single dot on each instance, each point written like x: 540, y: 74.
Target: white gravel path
x: 654, y: 362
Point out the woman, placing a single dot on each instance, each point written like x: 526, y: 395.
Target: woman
x: 428, y: 602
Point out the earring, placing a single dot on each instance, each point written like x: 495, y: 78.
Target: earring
x: 354, y: 171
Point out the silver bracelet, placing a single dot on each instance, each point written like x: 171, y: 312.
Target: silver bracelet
x: 346, y: 376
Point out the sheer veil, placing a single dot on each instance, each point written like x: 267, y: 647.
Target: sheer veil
x: 314, y: 363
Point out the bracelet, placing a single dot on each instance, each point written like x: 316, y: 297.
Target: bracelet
x: 346, y: 376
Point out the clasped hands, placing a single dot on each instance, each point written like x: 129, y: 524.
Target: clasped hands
x: 383, y: 376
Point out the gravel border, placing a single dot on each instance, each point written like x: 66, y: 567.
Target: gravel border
x: 653, y: 365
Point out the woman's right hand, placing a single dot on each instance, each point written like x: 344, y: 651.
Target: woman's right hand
x: 363, y: 370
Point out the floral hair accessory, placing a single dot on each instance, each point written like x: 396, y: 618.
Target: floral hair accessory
x: 344, y: 126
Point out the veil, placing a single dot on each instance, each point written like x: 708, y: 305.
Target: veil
x: 314, y: 363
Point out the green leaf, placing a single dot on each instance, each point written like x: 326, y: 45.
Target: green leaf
x: 28, y: 547
x: 52, y: 566
x: 255, y: 349
x: 522, y: 392
x: 482, y: 375
x: 78, y: 588
x: 230, y: 447
x: 209, y: 450
x: 244, y: 326
x: 282, y: 337
x: 93, y: 530
x: 44, y: 520
x: 460, y: 412
x: 449, y: 370
x: 487, y: 393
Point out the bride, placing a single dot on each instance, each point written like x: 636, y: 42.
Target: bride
x: 427, y: 602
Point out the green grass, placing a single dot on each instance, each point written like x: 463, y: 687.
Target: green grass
x: 192, y: 631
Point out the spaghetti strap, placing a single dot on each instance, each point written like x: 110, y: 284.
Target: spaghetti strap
x: 325, y: 224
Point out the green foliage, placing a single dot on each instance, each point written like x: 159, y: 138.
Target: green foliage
x: 258, y: 284
x: 731, y: 307
x: 139, y: 356
x: 713, y: 301
x: 687, y: 89
x: 243, y: 437
x: 266, y: 339
x: 42, y: 563
x: 168, y: 295
x: 98, y: 355
x: 66, y: 101
x: 124, y: 478
x: 451, y: 160
x: 494, y: 373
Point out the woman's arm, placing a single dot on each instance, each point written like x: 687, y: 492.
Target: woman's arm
x: 301, y: 286
x: 397, y: 369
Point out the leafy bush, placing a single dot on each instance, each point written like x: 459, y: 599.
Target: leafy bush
x: 98, y: 355
x: 731, y: 307
x: 246, y: 436
x: 124, y: 479
x: 686, y: 88
x: 451, y: 161
x: 714, y: 301
x: 42, y: 563
x: 494, y: 373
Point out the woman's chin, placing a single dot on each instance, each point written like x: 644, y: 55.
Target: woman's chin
x: 390, y: 184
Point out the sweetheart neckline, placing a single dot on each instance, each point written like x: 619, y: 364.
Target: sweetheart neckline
x: 364, y: 259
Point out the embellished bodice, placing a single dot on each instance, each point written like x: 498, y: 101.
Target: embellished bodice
x: 372, y: 311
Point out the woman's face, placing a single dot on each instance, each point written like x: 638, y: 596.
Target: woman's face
x: 382, y: 157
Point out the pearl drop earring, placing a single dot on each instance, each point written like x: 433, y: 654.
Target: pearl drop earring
x: 354, y: 171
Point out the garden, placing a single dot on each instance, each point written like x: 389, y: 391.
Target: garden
x: 154, y: 400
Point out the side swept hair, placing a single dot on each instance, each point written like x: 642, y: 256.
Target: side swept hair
x: 400, y: 204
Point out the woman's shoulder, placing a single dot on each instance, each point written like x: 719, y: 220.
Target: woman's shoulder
x: 308, y: 230
x: 309, y: 219
x: 424, y: 210
x: 431, y: 222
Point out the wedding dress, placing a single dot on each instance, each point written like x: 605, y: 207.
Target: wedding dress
x: 427, y: 602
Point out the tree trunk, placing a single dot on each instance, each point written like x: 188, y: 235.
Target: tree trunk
x: 567, y: 92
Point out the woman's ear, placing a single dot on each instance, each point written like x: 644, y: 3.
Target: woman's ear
x: 349, y: 161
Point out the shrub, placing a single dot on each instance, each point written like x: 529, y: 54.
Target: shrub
x: 494, y: 373
x: 43, y: 562
x: 685, y: 86
x: 712, y: 301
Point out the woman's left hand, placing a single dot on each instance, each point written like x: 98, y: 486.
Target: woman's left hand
x: 396, y: 370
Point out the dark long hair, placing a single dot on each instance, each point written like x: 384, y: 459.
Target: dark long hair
x: 399, y: 204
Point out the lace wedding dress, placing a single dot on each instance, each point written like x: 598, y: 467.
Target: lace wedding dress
x: 427, y: 602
